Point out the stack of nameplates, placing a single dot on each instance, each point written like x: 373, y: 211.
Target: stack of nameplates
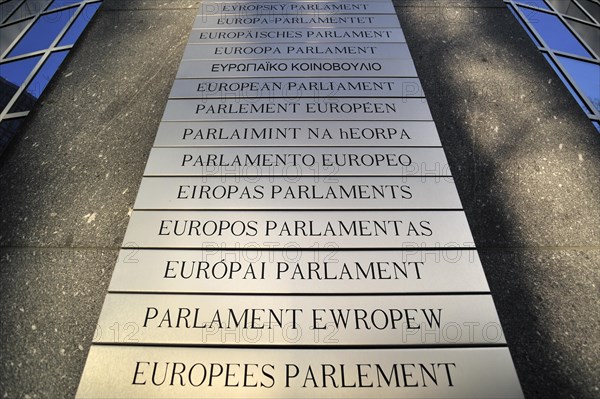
x: 297, y: 232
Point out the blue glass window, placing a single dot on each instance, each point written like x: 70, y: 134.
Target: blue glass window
x: 9, y: 33
x: 531, y: 36
x: 586, y: 75
x: 576, y: 12
x: 12, y: 76
x: 568, y: 85
x: 569, y: 7
x: 41, y: 35
x: 42, y: 78
x: 589, y: 34
x: 48, y: 27
x: 62, y: 3
x: 535, y: 3
x: 554, y: 32
x: 561, y: 29
x: 592, y: 8
x: 79, y: 25
x: 39, y: 82
x: 15, y: 72
x: 7, y: 8
x: 29, y: 8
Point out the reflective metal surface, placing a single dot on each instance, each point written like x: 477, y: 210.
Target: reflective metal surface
x: 229, y: 192
x: 298, y: 230
x: 298, y: 35
x: 301, y: 21
x: 308, y: 8
x: 115, y: 372
x: 298, y: 272
x: 305, y: 133
x: 287, y: 161
x: 296, y: 88
x: 337, y: 51
x: 298, y: 109
x: 311, y: 320
x: 300, y: 205
x: 279, y: 1
x: 295, y: 68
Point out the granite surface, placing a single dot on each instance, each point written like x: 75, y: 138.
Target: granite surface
x: 67, y: 186
x: 525, y: 158
x: 526, y: 161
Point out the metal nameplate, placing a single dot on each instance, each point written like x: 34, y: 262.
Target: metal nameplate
x: 296, y: 88
x: 409, y: 320
x: 117, y: 372
x: 294, y: 8
x: 298, y: 230
x: 298, y: 35
x: 287, y: 193
x: 292, y: 134
x: 296, y: 68
x: 298, y: 21
x: 326, y: 162
x: 298, y: 109
x: 327, y: 271
x: 298, y: 1
x: 333, y: 51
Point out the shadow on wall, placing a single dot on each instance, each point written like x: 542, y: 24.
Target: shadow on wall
x: 66, y: 185
x: 526, y: 161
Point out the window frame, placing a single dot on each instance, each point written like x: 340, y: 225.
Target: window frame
x: 78, y: 8
x: 516, y: 6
